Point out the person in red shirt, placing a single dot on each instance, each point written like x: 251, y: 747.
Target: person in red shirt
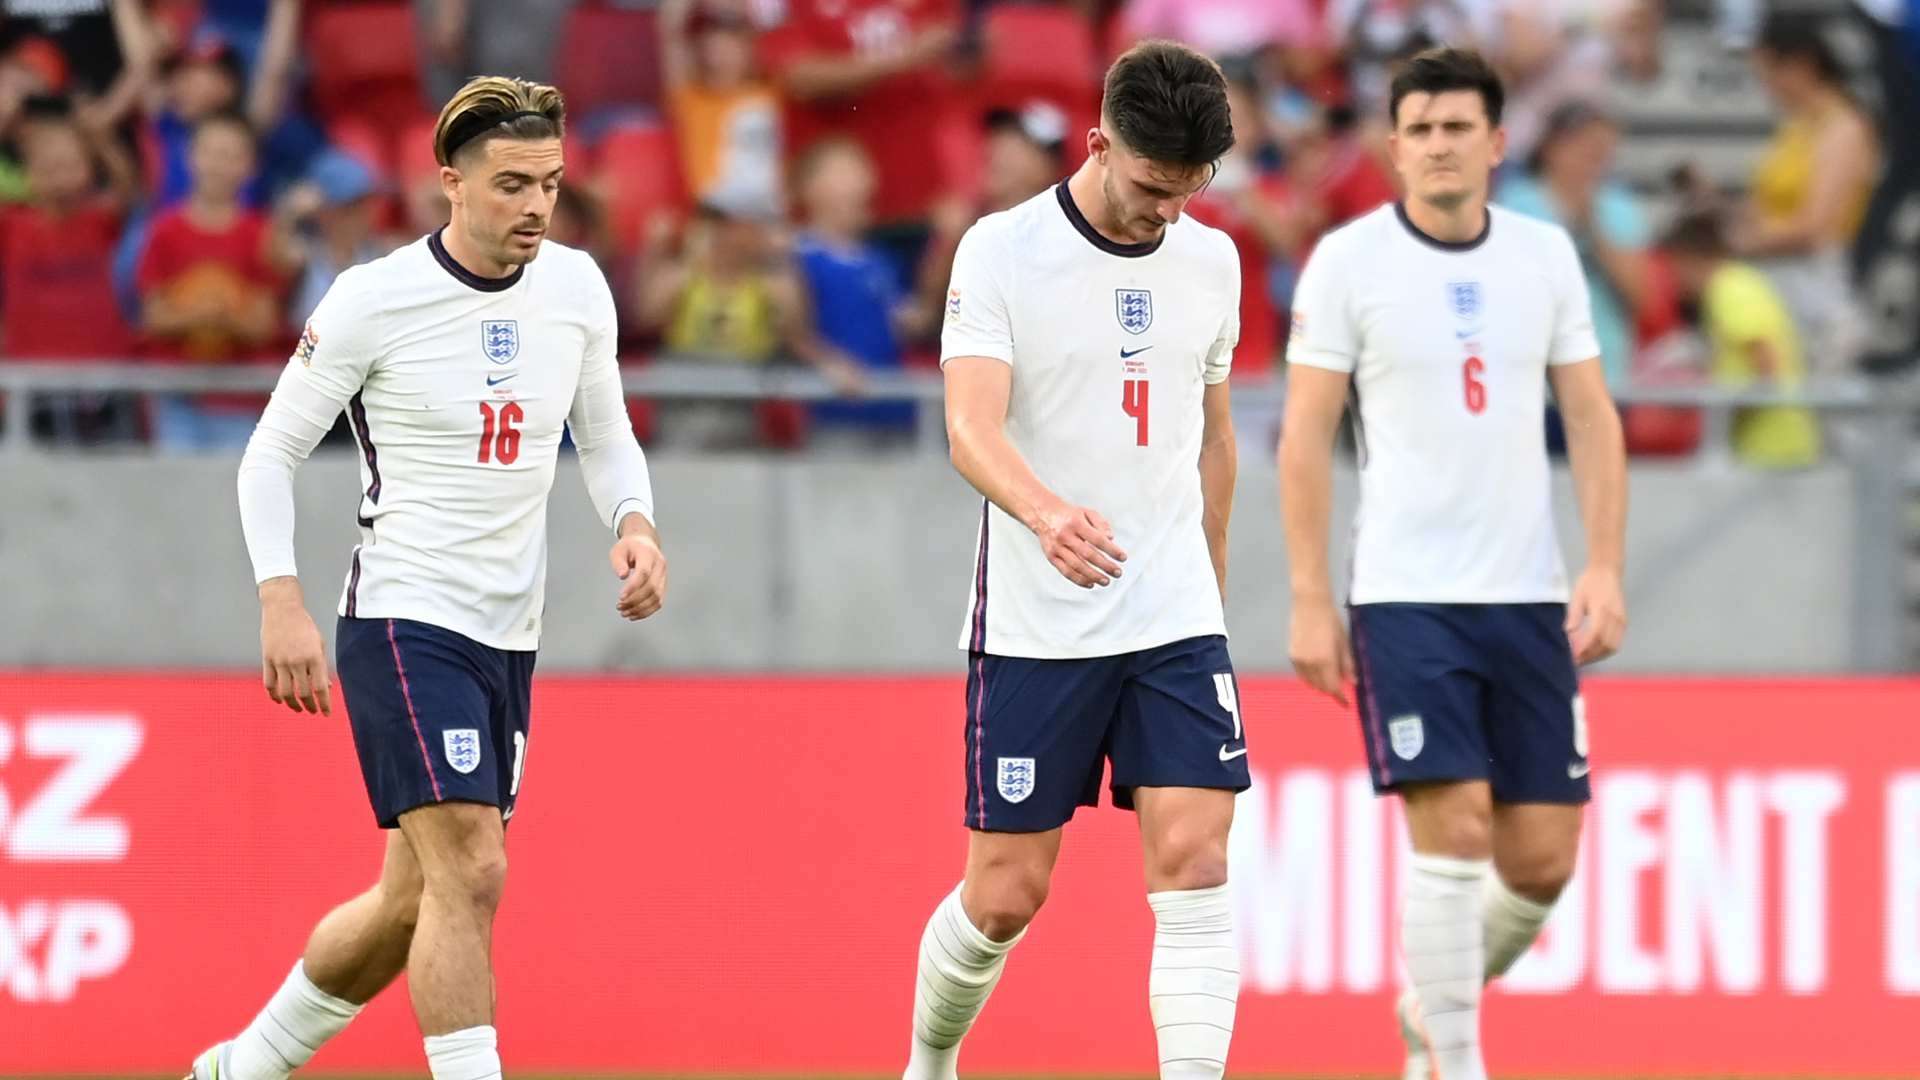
x: 56, y: 271
x: 872, y: 70
x: 208, y: 293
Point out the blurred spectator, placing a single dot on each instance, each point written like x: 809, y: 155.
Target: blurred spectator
x: 425, y: 206
x: 208, y: 78
x: 726, y: 117
x: 728, y: 297
x: 1025, y: 153
x: 855, y: 296
x: 1332, y: 178
x: 1549, y: 58
x: 1810, y: 191
x: 1752, y: 341
x: 28, y: 74
x: 56, y: 287
x: 103, y: 49
x: 579, y: 222
x: 463, y: 38
x: 1377, y: 34
x: 1248, y: 203
x: 321, y: 226
x: 1224, y: 28
x: 1569, y: 182
x: 207, y: 291
x: 1887, y: 259
x: 874, y: 71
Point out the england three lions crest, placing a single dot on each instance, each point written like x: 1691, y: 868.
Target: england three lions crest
x: 1016, y: 778
x: 463, y: 749
x: 1135, y: 308
x: 1465, y: 297
x: 500, y: 339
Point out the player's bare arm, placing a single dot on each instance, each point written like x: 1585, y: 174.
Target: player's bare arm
x: 1597, y: 610
x: 641, y: 567
x: 1317, y: 641
x: 293, y: 659
x: 1219, y: 464
x: 1078, y: 541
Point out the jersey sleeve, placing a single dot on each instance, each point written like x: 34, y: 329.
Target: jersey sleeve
x: 1219, y: 361
x: 1573, y: 336
x: 611, y: 461
x: 1323, y: 333
x: 327, y: 369
x: 978, y: 321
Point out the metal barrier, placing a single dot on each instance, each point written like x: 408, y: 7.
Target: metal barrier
x: 1875, y: 438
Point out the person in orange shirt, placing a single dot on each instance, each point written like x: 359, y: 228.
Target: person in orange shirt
x: 725, y: 116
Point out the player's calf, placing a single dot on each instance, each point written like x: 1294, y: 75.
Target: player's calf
x: 461, y: 848
x: 1193, y: 986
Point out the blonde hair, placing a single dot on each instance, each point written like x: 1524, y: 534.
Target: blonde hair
x: 492, y: 106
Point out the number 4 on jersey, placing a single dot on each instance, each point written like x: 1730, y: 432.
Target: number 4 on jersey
x: 1133, y: 402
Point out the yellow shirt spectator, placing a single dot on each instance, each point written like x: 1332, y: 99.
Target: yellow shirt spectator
x: 1753, y: 341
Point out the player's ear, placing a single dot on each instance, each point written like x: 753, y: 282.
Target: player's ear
x: 1098, y: 144
x: 1499, y: 145
x: 450, y: 183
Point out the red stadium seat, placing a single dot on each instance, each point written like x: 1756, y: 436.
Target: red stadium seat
x: 364, y: 142
x: 364, y: 60
x: 608, y: 57
x: 637, y: 175
x: 1040, y: 51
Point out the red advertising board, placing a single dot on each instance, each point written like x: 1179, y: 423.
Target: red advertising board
x: 731, y: 875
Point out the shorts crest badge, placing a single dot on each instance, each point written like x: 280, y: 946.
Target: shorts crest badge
x: 1134, y: 308
x: 1407, y: 735
x: 500, y: 339
x: 1016, y: 778
x: 463, y: 749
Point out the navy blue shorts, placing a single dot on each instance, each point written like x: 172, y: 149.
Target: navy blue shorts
x: 1040, y: 732
x: 1472, y: 692
x: 437, y: 717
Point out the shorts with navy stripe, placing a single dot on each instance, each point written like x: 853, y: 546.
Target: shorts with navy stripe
x: 1040, y: 733
x: 1451, y: 692
x: 437, y: 717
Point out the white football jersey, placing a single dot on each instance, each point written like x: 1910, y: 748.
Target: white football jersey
x: 1111, y: 347
x: 457, y: 388
x: 1449, y: 346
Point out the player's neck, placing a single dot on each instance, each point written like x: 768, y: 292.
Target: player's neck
x: 1084, y: 187
x: 1462, y: 224
x: 460, y: 249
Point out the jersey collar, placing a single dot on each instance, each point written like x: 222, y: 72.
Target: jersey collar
x: 465, y: 276
x: 1086, y: 229
x: 1400, y: 211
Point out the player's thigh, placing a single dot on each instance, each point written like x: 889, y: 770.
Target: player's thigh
x: 459, y: 845
x: 420, y: 706
x: 1453, y: 818
x: 1536, y: 719
x: 1183, y: 835
x: 1180, y: 723
x: 511, y: 726
x: 1535, y: 846
x: 1035, y: 737
x: 1422, y: 694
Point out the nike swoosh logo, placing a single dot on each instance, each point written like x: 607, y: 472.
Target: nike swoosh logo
x: 1227, y: 755
x: 496, y: 380
x: 1465, y: 334
x: 1126, y: 354
x: 1577, y: 770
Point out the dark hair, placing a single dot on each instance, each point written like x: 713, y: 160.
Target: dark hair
x: 1436, y: 71
x: 1168, y: 103
x: 1790, y: 36
x: 1697, y: 232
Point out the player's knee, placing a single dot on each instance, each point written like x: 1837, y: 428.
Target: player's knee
x: 400, y: 903
x: 476, y: 880
x: 1540, y: 876
x: 1001, y: 905
x: 1188, y: 858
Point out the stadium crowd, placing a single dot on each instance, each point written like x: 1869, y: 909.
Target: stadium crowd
x: 784, y: 181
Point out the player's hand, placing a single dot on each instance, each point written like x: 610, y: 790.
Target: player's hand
x: 1079, y: 544
x: 293, y: 660
x: 1596, y: 616
x: 642, y: 567
x: 1317, y: 644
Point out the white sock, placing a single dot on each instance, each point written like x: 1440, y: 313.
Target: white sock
x: 1195, y: 981
x: 298, y: 1020
x: 469, y: 1054
x: 1440, y: 930
x: 1511, y: 924
x: 959, y: 966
